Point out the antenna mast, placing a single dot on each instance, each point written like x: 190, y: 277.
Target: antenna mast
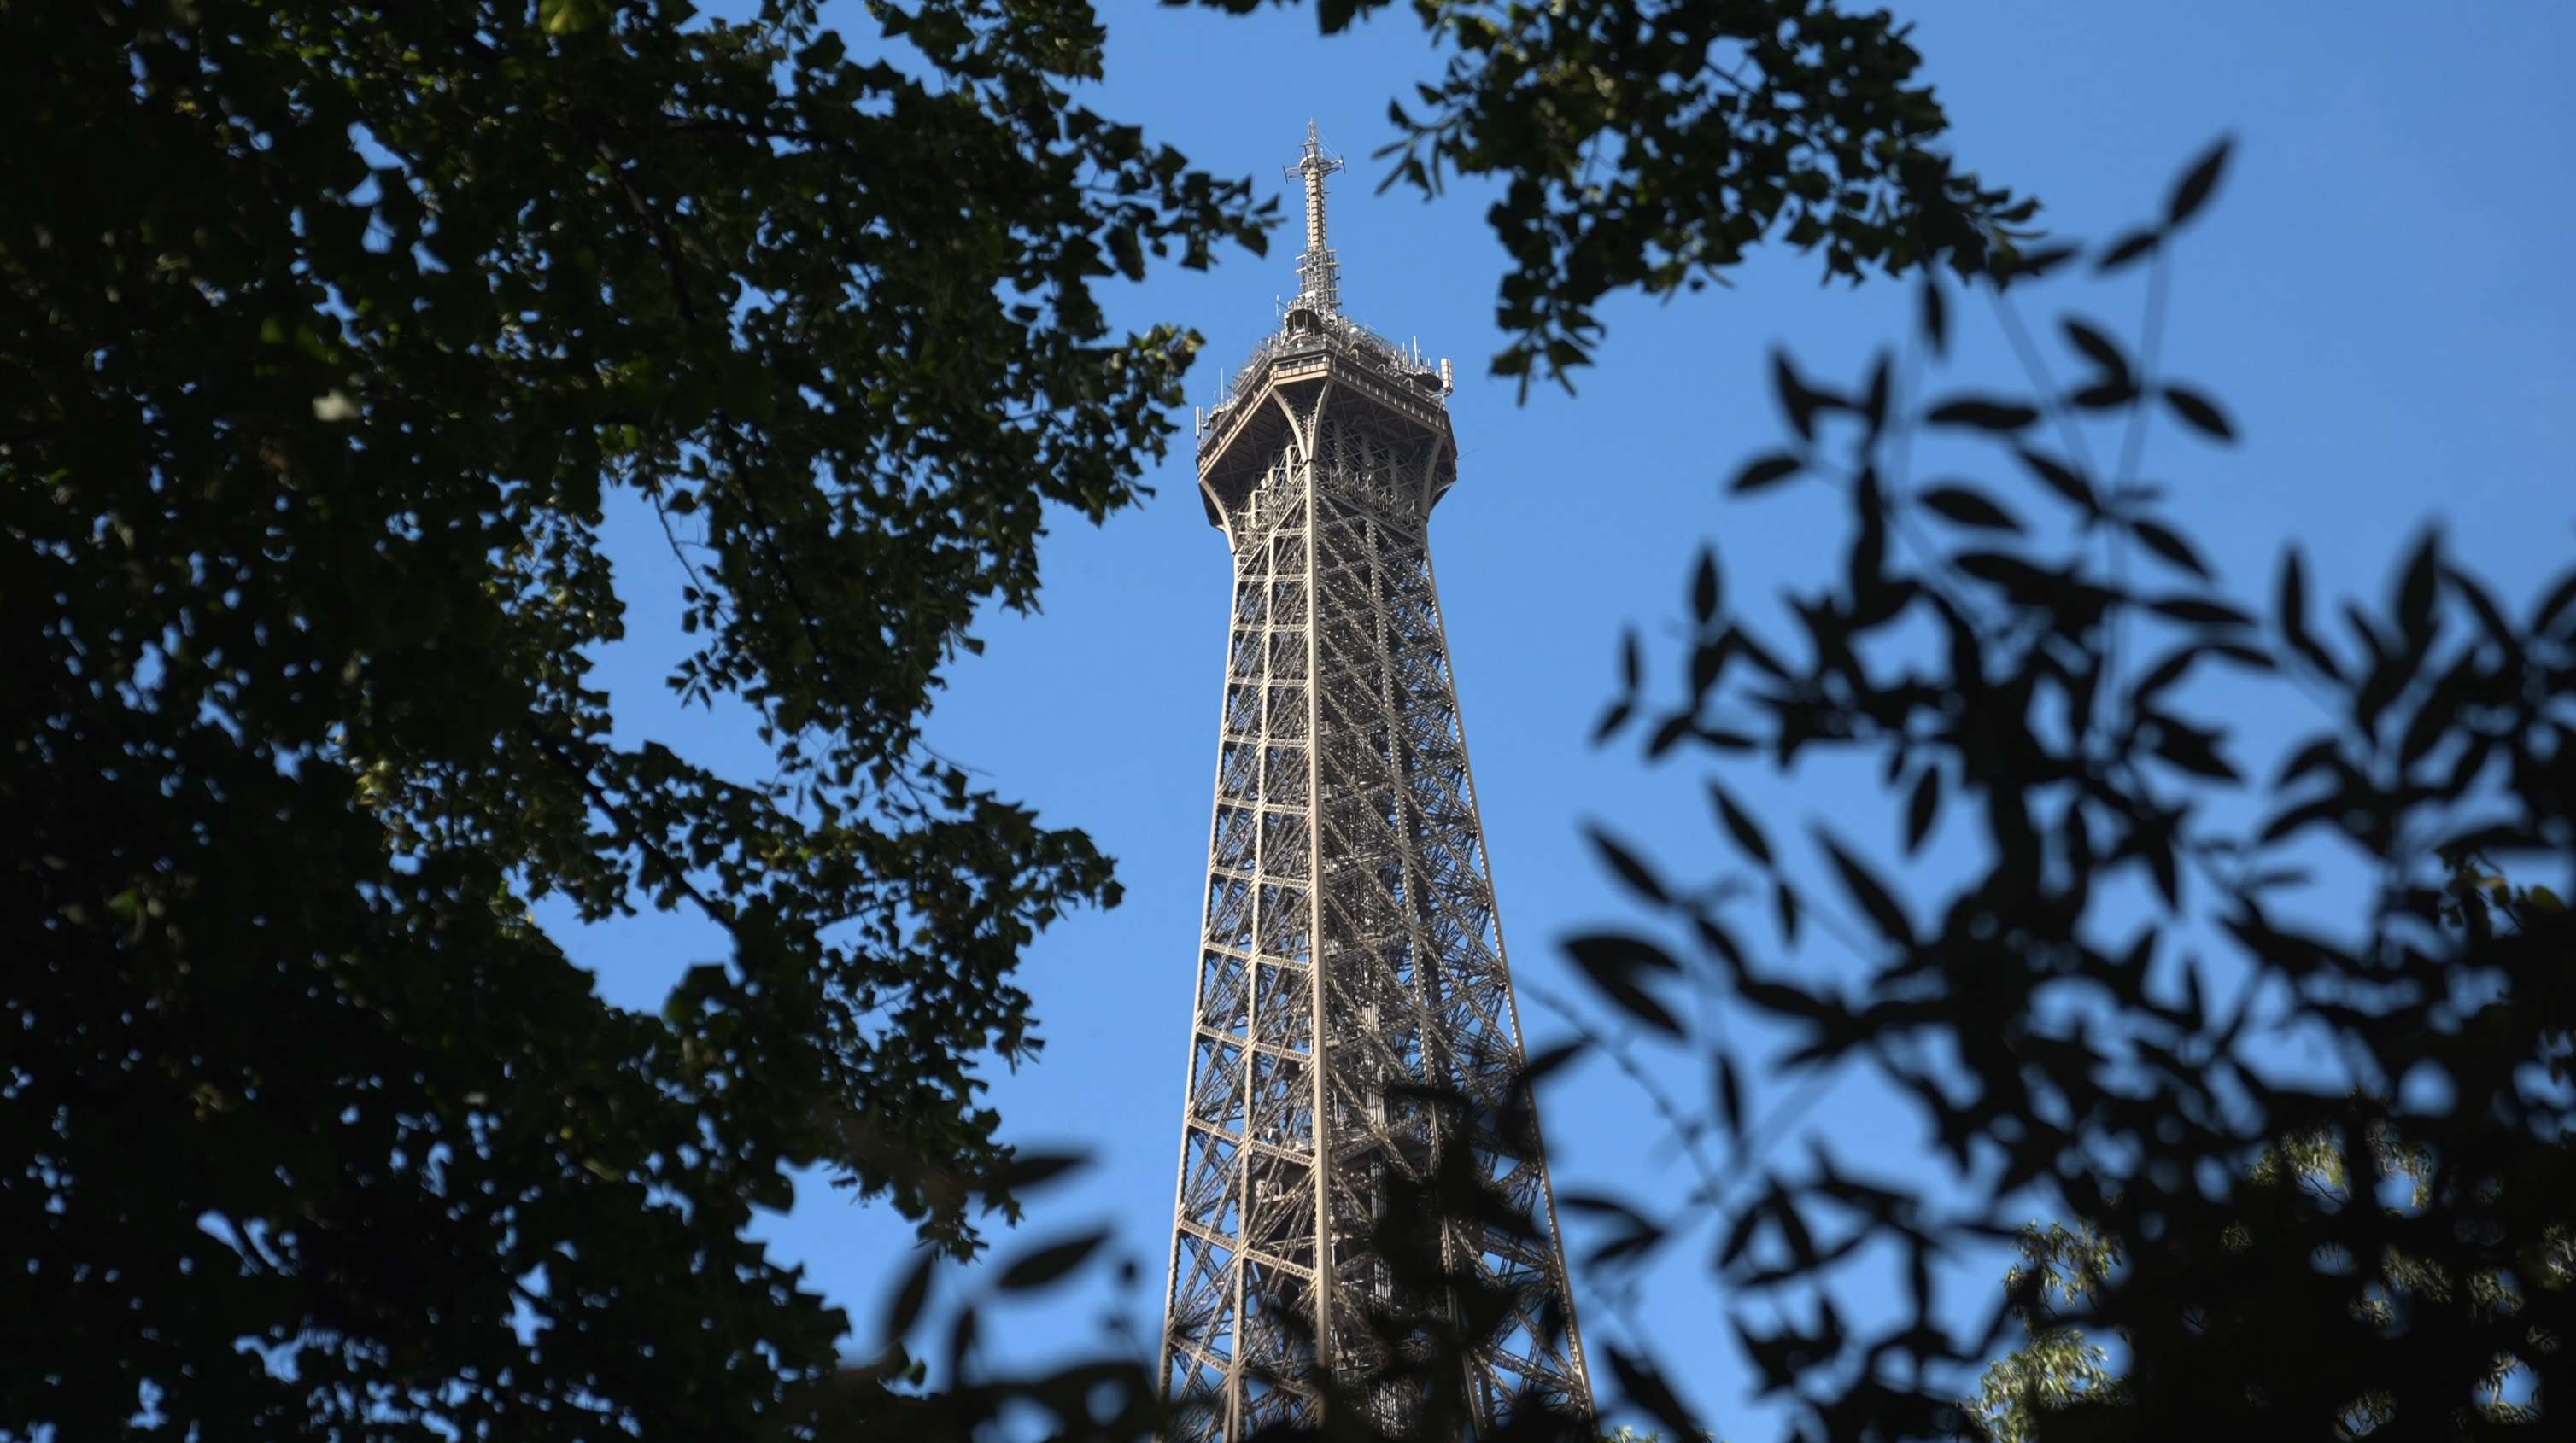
x: 1319, y: 271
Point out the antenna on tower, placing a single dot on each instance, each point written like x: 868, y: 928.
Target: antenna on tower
x: 1319, y: 271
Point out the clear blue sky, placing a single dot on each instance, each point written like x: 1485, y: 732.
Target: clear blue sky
x: 2380, y: 296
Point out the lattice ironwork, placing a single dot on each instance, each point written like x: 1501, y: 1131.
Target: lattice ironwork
x: 1351, y: 953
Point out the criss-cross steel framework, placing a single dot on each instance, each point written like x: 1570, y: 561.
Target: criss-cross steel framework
x: 1351, y: 955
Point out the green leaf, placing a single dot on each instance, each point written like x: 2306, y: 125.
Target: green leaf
x: 567, y: 17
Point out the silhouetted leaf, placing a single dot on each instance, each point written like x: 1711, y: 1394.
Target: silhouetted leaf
x: 1922, y: 808
x: 1036, y: 1169
x: 2316, y: 755
x: 1784, y: 901
x: 2163, y: 542
x: 1730, y: 1096
x: 1794, y: 396
x: 1968, y: 508
x: 2127, y: 249
x: 2062, y: 479
x: 2420, y: 587
x: 1647, y: 1389
x: 2558, y: 605
x: 1935, y: 323
x: 1983, y: 414
x: 2490, y: 616
x: 1866, y: 890
x: 1741, y: 827
x: 1669, y: 733
x: 1638, y: 877
x: 2192, y: 191
x: 2106, y: 395
x: 1631, y: 662
x: 1873, y: 406
x: 1043, y: 1265
x: 1541, y: 1064
x: 1764, y: 471
x: 905, y: 1309
x: 1720, y: 942
x: 2097, y: 347
x: 2199, y: 412
x: 2032, y: 265
x: 1611, y: 720
x: 1600, y: 1204
x: 2200, y: 611
x: 2293, y: 608
x: 1707, y: 591
x: 1708, y: 663
x: 2194, y: 749
x: 1612, y: 961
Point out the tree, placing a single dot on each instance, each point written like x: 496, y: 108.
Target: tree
x: 2059, y: 1366
x: 332, y: 333
x: 311, y: 419
x: 2085, y: 1020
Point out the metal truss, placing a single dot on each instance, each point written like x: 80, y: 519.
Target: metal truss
x: 1351, y: 958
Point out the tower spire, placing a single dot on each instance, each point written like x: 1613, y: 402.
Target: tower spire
x: 1319, y: 271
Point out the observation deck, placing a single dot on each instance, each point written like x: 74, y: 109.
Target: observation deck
x: 1319, y: 356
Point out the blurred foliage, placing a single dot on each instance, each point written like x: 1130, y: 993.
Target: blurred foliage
x: 1650, y: 145
x: 2058, y: 1364
x: 2308, y: 1131
x: 334, y: 335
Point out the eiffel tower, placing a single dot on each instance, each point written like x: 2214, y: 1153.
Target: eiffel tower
x: 1351, y: 957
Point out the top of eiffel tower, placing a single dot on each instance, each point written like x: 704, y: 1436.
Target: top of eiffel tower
x: 1315, y: 345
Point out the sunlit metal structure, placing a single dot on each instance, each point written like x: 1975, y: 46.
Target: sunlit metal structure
x: 1351, y: 952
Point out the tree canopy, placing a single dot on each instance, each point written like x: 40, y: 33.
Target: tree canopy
x: 331, y: 335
